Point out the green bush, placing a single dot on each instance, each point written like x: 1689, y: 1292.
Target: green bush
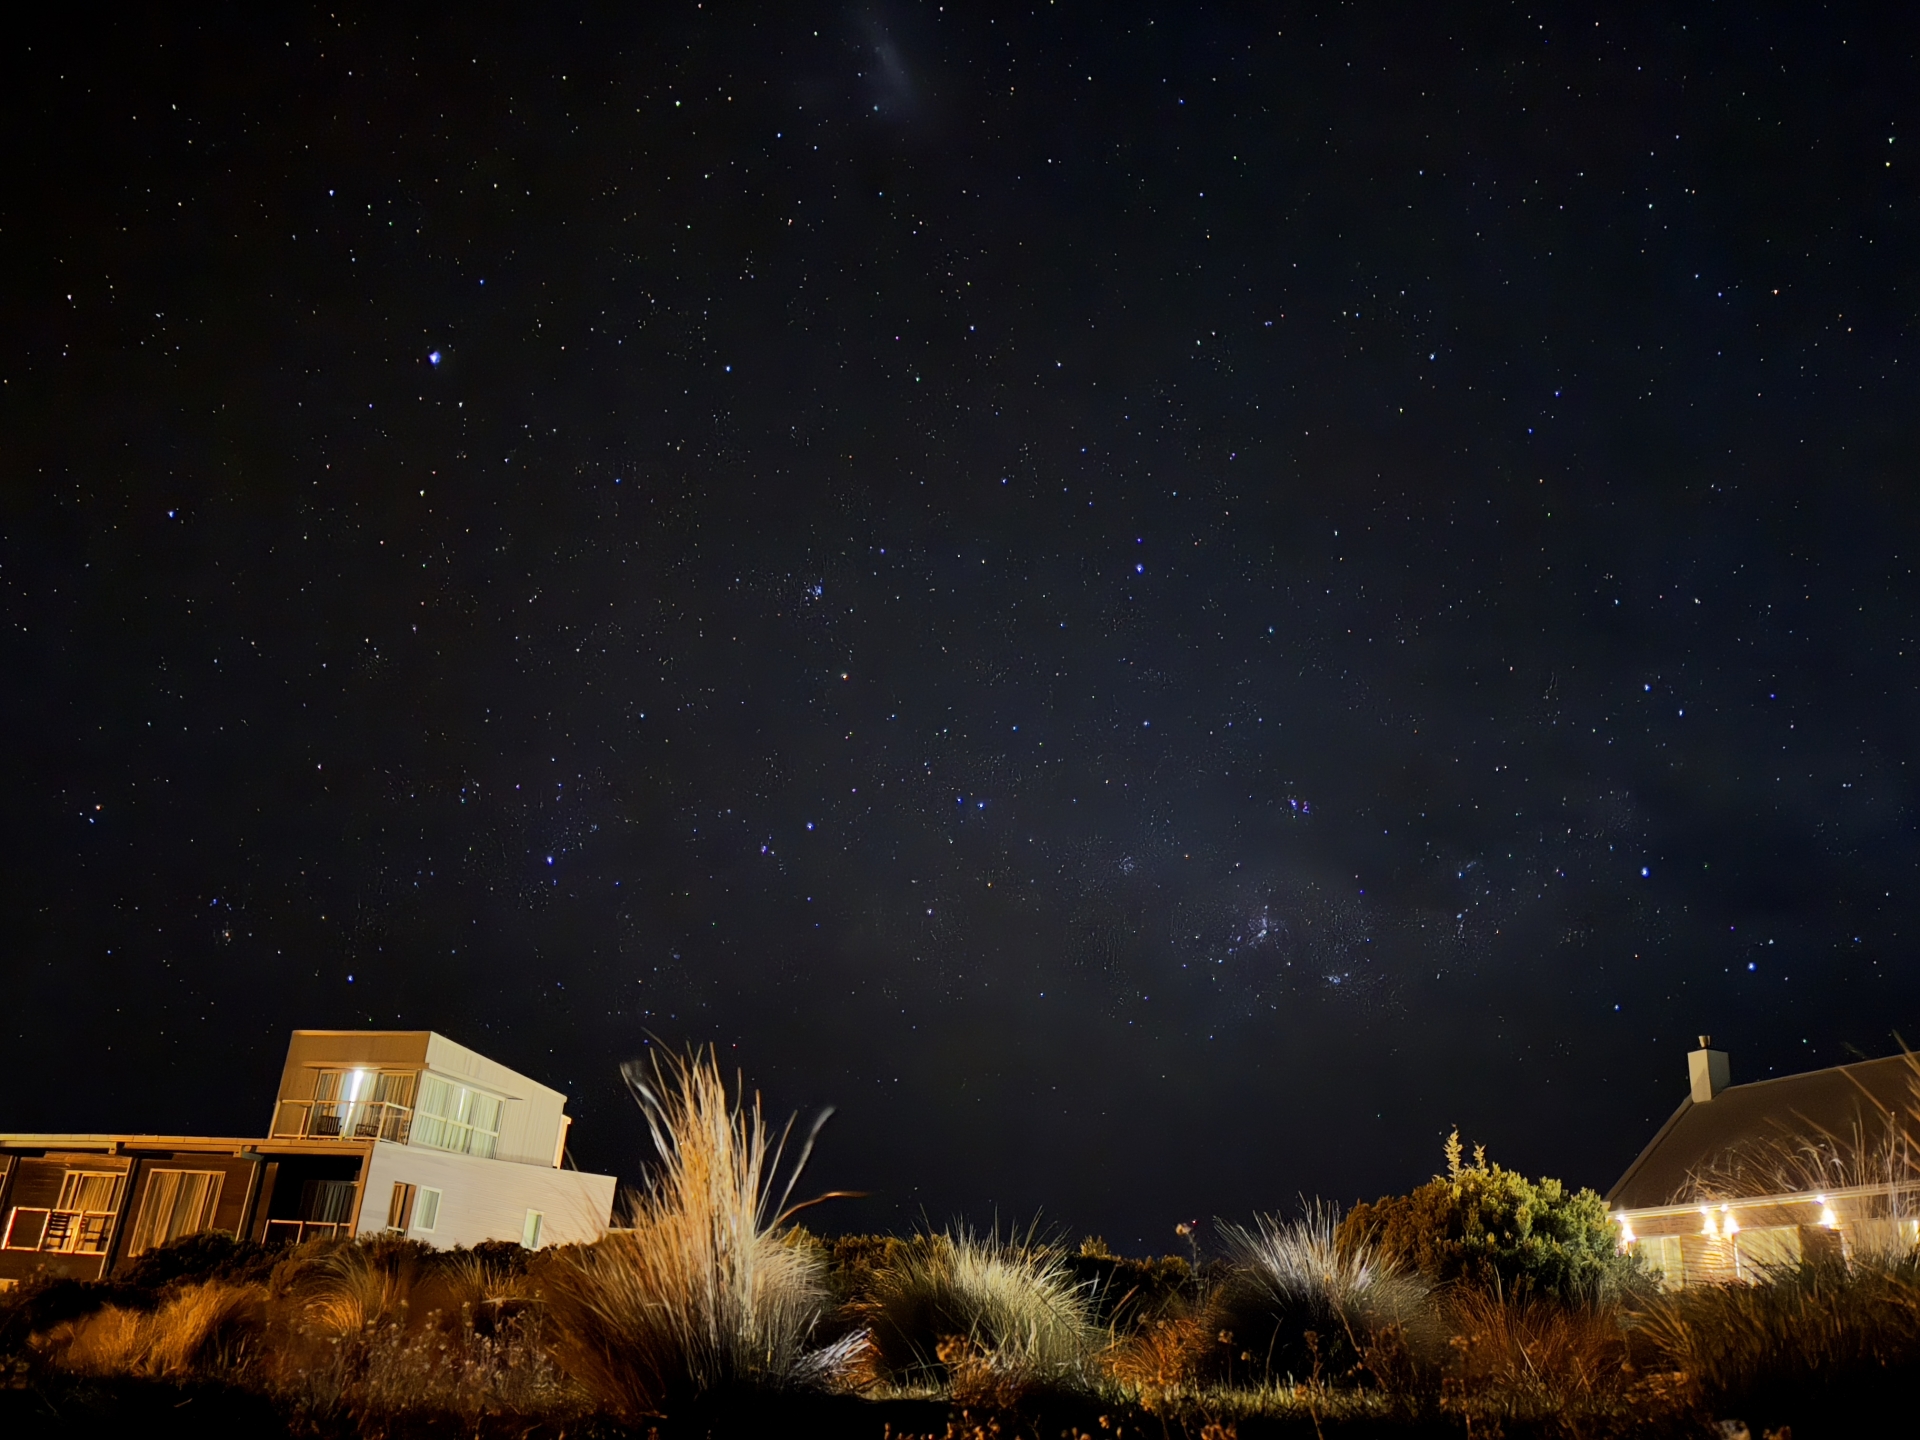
x: 1489, y: 1225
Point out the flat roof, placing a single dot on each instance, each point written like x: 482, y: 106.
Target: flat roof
x: 19, y: 1140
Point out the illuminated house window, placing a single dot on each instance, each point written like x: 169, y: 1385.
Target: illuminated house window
x: 1759, y: 1253
x: 1661, y: 1254
x: 177, y: 1203
x: 90, y: 1191
x: 455, y: 1117
x: 414, y: 1209
x: 362, y: 1104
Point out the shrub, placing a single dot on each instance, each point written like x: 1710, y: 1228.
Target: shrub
x: 986, y: 1316
x: 1299, y: 1304
x: 1124, y: 1290
x: 171, y: 1341
x: 209, y: 1255
x: 1482, y: 1223
x: 704, y: 1291
x: 1819, y: 1338
x: 853, y: 1261
x: 351, y: 1287
x: 1533, y: 1359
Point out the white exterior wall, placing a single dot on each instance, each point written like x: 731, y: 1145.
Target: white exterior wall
x: 487, y: 1199
x: 529, y: 1121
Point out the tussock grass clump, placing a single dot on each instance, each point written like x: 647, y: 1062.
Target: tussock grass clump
x: 1301, y: 1304
x: 176, y: 1338
x: 706, y: 1290
x: 1818, y: 1330
x: 351, y: 1335
x: 987, y: 1317
x: 350, y: 1287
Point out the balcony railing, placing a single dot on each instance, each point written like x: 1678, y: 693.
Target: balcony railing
x: 58, y: 1232
x: 342, y: 1120
x: 292, y: 1232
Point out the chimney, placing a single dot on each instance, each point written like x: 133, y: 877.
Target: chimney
x: 1708, y: 1071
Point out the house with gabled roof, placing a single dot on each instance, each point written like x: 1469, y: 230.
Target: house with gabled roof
x: 1744, y: 1179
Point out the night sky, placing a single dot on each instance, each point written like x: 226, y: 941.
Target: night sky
x: 1160, y: 605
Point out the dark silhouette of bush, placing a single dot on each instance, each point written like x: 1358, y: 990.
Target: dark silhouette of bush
x: 1488, y: 1225
x: 853, y: 1260
x: 506, y: 1257
x: 1124, y: 1289
x: 45, y: 1301
x: 209, y: 1255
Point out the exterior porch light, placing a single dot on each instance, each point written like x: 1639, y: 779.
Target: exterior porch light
x: 1626, y: 1229
x: 1728, y: 1225
x: 1707, y: 1227
x: 1827, y: 1217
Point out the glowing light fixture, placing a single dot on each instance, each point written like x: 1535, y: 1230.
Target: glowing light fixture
x: 1708, y: 1228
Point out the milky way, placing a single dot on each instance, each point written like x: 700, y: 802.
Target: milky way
x: 1157, y: 607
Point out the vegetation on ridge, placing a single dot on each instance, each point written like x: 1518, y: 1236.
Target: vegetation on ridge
x: 1483, y: 1301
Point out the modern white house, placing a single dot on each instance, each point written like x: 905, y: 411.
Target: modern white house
x: 395, y: 1131
x: 1743, y: 1179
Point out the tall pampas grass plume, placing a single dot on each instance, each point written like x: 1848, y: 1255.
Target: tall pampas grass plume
x: 710, y: 1287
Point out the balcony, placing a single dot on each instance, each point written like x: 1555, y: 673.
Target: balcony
x: 58, y: 1232
x: 342, y: 1120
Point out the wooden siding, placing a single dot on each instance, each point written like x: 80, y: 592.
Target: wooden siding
x: 311, y: 1051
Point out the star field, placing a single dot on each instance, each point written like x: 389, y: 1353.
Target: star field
x: 1160, y: 605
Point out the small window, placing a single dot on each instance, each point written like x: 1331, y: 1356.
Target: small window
x: 426, y: 1211
x: 400, y: 1207
x: 530, y: 1232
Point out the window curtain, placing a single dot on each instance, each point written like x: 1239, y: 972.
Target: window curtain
x: 178, y: 1202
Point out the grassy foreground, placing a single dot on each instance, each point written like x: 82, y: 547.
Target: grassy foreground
x: 713, y: 1312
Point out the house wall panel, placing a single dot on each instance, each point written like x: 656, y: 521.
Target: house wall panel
x: 530, y: 1121
x: 236, y: 1177
x: 39, y: 1180
x: 311, y: 1051
x: 488, y: 1199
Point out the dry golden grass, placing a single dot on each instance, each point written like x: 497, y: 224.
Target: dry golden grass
x: 171, y: 1341
x: 1819, y: 1323
x: 703, y: 1291
x: 355, y: 1286
x: 333, y: 1341
x: 982, y: 1315
x: 1535, y: 1359
x: 1155, y: 1363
